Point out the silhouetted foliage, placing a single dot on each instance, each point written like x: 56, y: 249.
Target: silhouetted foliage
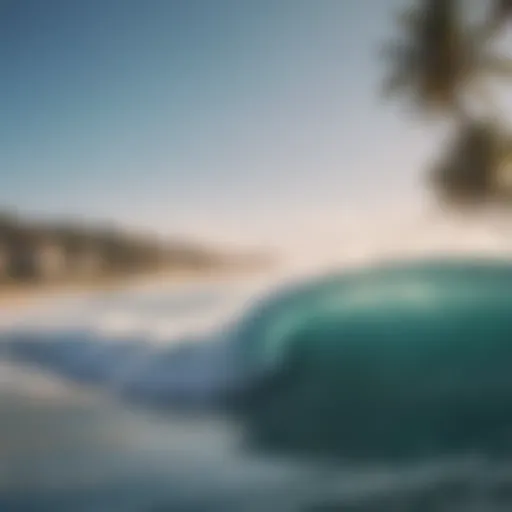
x: 32, y: 250
x: 440, y: 62
x: 440, y: 57
x: 475, y: 168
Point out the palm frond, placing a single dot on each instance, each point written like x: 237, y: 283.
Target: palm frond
x: 395, y: 83
x: 499, y: 14
x: 409, y: 20
x: 501, y: 10
x: 398, y: 51
x: 426, y: 59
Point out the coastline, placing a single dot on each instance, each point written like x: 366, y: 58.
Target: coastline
x: 16, y: 295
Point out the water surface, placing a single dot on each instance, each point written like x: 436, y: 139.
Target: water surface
x: 89, y: 389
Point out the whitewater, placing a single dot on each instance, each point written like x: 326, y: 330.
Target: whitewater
x: 108, y: 401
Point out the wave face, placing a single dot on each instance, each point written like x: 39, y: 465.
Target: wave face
x: 402, y: 361
x: 160, y: 346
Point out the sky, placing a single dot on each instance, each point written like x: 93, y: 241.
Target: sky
x: 241, y: 121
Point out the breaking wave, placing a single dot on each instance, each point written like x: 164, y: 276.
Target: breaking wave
x: 399, y: 374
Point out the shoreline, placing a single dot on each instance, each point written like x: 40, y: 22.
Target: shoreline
x: 16, y: 295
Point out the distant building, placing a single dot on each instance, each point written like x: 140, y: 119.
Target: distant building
x: 86, y: 262
x: 31, y: 251
x: 81, y: 255
x: 5, y: 261
x: 39, y: 258
x: 49, y: 260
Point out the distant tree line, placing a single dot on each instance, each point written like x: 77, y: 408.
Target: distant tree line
x: 31, y: 250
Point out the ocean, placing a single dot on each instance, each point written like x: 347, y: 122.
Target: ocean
x: 70, y: 441
x: 108, y: 402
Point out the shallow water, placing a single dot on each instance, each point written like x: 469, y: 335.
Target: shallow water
x: 71, y: 437
x: 86, y: 422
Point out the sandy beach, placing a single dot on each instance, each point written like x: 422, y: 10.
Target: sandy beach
x: 16, y: 295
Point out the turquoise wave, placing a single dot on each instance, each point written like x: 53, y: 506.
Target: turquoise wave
x: 401, y: 361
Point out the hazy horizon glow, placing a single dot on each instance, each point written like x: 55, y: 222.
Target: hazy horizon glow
x: 253, y: 122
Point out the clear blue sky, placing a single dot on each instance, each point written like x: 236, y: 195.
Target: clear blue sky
x: 235, y: 119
